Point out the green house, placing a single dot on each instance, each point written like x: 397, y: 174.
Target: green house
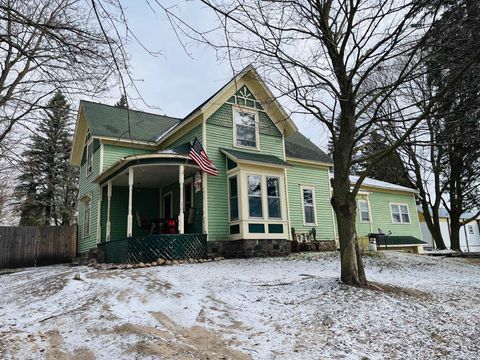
x: 138, y: 182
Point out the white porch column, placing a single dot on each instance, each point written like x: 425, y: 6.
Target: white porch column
x: 109, y: 195
x: 204, y: 203
x: 181, y: 215
x: 130, y: 193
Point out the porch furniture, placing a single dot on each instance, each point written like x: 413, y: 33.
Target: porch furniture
x: 144, y: 223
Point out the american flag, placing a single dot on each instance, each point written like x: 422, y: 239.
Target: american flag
x: 199, y: 155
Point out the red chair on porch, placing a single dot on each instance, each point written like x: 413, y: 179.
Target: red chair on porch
x: 144, y: 223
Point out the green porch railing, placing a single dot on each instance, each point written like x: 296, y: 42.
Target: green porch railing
x: 149, y: 248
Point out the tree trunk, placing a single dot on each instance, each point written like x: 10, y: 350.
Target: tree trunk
x: 344, y: 204
x: 455, y: 228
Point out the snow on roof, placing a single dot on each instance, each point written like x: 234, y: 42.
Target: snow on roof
x: 382, y: 184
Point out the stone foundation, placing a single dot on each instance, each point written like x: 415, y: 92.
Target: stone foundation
x: 247, y: 248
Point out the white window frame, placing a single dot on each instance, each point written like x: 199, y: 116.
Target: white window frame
x: 360, y: 211
x: 261, y: 197
x: 89, y: 162
x: 279, y: 197
x: 307, y: 187
x: 87, y: 204
x: 257, y: 133
x: 400, y: 212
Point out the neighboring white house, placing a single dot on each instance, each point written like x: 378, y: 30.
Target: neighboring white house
x: 469, y: 233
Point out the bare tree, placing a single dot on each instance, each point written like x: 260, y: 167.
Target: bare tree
x: 47, y: 45
x: 327, y: 56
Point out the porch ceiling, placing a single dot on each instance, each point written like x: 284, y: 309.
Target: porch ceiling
x: 152, y: 176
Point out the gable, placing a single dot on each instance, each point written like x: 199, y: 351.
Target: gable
x: 244, y: 98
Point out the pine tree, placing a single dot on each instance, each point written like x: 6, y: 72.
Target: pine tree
x: 122, y: 103
x: 48, y: 187
x: 391, y: 168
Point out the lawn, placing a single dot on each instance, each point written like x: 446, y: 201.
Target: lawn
x: 276, y: 308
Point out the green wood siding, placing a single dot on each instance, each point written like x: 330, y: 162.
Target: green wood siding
x: 381, y: 215
x: 88, y: 187
x: 113, y: 153
x: 220, y: 135
x: 317, y: 178
x: 188, y: 137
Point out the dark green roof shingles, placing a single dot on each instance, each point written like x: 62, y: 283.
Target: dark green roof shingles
x: 110, y: 121
x: 298, y: 146
x: 262, y: 158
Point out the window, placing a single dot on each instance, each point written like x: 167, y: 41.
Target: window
x: 233, y: 198
x: 400, y: 214
x: 86, y: 219
x: 89, y: 157
x: 273, y: 197
x: 470, y: 230
x: 245, y: 128
x: 254, y: 183
x: 364, y: 211
x: 308, y: 206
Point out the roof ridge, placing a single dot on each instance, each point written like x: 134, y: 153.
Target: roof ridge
x: 139, y: 111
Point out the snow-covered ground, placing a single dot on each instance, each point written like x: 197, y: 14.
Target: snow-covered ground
x: 278, y: 308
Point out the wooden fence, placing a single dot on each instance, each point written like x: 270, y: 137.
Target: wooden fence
x: 22, y: 246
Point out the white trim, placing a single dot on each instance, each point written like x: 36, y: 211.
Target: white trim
x: 308, y: 187
x: 87, y: 145
x: 181, y: 213
x: 400, y: 212
x: 130, y: 202
x: 169, y: 193
x: 99, y: 214
x: 287, y: 203
x: 257, y: 130
x: 101, y: 157
x: 204, y: 181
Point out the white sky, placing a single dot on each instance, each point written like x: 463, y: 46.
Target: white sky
x: 174, y: 83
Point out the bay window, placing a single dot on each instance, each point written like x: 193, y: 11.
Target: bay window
x: 273, y: 197
x: 233, y: 188
x: 254, y: 183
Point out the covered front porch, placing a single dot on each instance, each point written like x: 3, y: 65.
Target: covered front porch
x: 152, y: 206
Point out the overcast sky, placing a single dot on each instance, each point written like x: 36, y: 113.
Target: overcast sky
x: 175, y: 83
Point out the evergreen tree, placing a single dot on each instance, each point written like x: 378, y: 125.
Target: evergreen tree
x: 122, y: 103
x: 48, y: 185
x: 391, y: 168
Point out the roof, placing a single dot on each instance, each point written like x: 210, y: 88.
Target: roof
x: 443, y: 213
x: 401, y: 240
x: 300, y: 147
x: 382, y: 184
x: 236, y: 155
x: 111, y: 121
x: 248, y: 71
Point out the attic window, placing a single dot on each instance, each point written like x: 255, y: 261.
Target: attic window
x: 245, y: 129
